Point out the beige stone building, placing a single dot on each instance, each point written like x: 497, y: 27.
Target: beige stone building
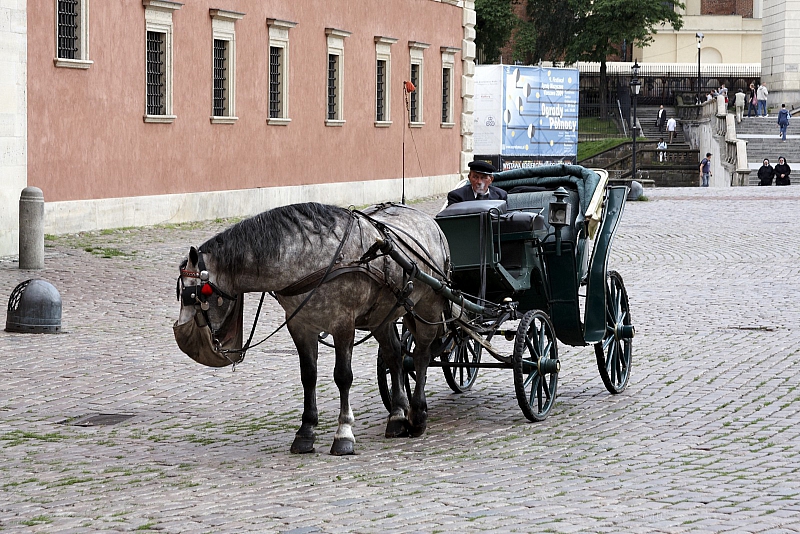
x: 731, y: 34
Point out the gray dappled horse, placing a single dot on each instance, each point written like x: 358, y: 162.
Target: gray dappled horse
x: 303, y: 248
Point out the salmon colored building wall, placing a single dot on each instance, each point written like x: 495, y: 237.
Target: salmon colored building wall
x: 87, y: 138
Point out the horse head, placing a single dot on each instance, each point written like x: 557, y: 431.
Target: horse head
x: 209, y: 327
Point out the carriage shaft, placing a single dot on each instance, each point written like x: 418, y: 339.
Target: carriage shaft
x: 411, y: 268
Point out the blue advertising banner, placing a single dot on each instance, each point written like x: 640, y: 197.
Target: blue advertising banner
x: 540, y: 114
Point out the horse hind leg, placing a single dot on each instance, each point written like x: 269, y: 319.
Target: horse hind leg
x: 391, y: 352
x: 344, y: 440
x: 307, y: 348
x: 418, y: 410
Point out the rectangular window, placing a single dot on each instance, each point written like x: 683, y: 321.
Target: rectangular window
x: 448, y: 70
x: 68, y: 29
x: 158, y: 60
x: 333, y: 78
x: 380, y: 91
x: 383, y: 80
x: 220, y: 77
x: 156, y: 86
x: 414, y: 104
x: 275, y: 75
x: 279, y: 71
x: 446, y: 95
x: 417, y: 77
x: 223, y: 57
x: 71, y: 34
x: 334, y: 115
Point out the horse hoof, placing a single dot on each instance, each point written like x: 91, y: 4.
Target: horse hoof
x: 302, y: 445
x: 417, y: 424
x: 397, y: 428
x: 342, y: 447
x: 417, y: 431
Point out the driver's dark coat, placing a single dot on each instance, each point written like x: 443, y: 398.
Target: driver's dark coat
x: 465, y: 193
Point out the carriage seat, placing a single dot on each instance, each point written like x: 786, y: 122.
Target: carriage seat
x: 539, y: 202
x: 512, y: 225
x: 472, y: 207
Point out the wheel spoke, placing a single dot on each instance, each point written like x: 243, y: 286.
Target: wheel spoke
x: 618, y: 308
x: 534, y: 395
x: 529, y: 379
x: 531, y: 349
x: 613, y: 363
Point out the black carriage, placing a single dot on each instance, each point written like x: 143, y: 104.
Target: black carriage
x: 540, y: 258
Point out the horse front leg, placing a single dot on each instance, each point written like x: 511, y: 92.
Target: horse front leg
x: 307, y: 349
x: 344, y: 440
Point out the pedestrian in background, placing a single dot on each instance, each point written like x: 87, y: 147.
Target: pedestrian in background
x: 739, y: 101
x: 705, y: 170
x: 661, y: 118
x: 662, y: 150
x: 762, y: 95
x: 782, y: 171
x: 766, y: 173
x: 752, y: 101
x: 783, y: 121
x: 671, y: 125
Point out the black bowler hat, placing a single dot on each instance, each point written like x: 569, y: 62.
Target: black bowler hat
x: 482, y: 167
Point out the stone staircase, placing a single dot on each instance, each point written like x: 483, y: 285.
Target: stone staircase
x: 763, y: 141
x: 647, y: 120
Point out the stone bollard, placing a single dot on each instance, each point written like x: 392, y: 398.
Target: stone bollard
x: 31, y: 229
x: 636, y: 190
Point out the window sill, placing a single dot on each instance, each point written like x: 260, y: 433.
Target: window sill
x: 416, y: 124
x: 162, y: 119
x: 278, y: 121
x: 224, y: 120
x: 448, y: 125
x: 72, y: 63
x: 334, y: 122
x: 383, y: 124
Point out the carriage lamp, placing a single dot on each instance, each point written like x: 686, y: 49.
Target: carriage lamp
x: 559, y: 214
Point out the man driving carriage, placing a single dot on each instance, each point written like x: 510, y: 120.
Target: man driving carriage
x: 480, y: 185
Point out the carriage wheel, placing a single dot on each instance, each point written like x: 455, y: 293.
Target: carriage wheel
x: 466, y: 350
x: 384, y: 376
x: 536, y: 365
x: 614, y: 351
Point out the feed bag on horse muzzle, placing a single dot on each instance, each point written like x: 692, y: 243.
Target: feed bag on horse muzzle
x: 196, y: 342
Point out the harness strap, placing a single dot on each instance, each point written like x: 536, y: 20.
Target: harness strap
x: 320, y: 276
x: 308, y: 297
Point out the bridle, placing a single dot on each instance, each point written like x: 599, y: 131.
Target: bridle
x: 199, y: 296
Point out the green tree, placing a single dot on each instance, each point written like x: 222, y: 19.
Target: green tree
x: 494, y: 22
x: 592, y: 30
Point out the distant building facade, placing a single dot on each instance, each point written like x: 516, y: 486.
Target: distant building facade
x: 731, y: 34
x: 133, y: 113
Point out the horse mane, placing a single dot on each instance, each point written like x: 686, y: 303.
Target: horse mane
x: 261, y: 237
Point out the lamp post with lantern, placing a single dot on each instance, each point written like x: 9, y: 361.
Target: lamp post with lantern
x: 699, y: 37
x: 635, y: 87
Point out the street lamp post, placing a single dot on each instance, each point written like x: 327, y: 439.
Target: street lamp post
x: 699, y: 40
x: 635, y: 87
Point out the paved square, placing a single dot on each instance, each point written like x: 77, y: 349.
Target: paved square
x: 705, y: 438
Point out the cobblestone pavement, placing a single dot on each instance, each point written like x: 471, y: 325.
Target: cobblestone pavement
x: 704, y: 439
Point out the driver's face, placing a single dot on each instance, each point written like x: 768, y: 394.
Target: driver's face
x: 480, y: 182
